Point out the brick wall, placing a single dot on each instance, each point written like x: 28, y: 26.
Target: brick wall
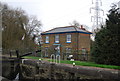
x: 79, y: 41
x: 84, y: 41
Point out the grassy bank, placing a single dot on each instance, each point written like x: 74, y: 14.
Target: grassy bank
x: 81, y: 63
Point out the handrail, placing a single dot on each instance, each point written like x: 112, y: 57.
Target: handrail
x: 29, y: 53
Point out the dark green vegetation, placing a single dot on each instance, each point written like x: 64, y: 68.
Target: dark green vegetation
x: 81, y: 63
x: 19, y: 31
x: 106, y: 48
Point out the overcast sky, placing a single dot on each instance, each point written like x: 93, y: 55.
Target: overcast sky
x: 59, y: 13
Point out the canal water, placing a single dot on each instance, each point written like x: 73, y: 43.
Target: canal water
x: 5, y: 79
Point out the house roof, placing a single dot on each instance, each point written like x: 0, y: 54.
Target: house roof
x: 67, y: 29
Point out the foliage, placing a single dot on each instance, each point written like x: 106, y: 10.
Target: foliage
x: 18, y: 29
x: 106, y: 48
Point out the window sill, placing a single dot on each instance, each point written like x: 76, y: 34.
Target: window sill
x: 68, y: 42
x: 46, y: 43
x: 56, y: 42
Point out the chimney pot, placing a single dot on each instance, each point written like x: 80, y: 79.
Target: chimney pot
x: 82, y: 27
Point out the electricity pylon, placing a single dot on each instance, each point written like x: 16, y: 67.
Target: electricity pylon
x: 96, y: 18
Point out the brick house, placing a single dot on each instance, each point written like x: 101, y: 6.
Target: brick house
x: 69, y: 40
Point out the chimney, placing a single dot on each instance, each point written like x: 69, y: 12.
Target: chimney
x: 82, y: 27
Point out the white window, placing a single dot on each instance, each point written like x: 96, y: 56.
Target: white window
x: 56, y: 38
x: 68, y: 50
x: 68, y: 38
x: 46, y: 51
x: 47, y: 39
x: 83, y: 51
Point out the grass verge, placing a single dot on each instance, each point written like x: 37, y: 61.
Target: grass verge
x: 81, y: 63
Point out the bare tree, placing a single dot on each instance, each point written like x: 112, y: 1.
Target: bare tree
x: 19, y: 30
x: 34, y: 28
x: 75, y: 23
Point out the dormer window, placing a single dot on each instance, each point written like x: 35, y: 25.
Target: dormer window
x: 56, y: 38
x: 47, y: 39
x: 68, y: 38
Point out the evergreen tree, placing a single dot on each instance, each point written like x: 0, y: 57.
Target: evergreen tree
x: 106, y: 49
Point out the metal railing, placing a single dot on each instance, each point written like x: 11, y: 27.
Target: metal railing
x: 52, y: 58
x: 55, y: 59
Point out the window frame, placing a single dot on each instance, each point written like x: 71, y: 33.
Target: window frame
x: 57, y: 38
x: 68, y: 50
x: 47, y: 39
x: 68, y: 38
x: 84, y: 51
x: 46, y: 51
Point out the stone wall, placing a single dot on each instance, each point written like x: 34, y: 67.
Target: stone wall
x: 39, y: 70
x: 46, y: 70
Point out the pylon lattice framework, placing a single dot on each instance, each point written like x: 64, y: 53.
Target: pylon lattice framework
x: 96, y: 19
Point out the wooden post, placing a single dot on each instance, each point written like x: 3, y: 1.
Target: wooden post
x: 10, y: 54
x: 17, y: 52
